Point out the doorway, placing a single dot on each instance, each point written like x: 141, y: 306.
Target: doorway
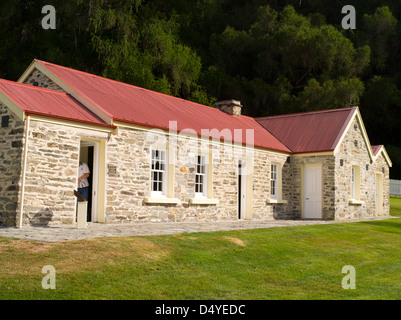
x: 379, y: 194
x: 242, y: 189
x: 312, y: 191
x: 89, y: 154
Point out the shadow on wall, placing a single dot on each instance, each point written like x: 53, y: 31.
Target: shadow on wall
x: 43, y: 217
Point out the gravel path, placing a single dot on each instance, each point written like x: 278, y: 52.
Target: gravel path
x: 59, y: 233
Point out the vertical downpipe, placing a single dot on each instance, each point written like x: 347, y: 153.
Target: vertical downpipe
x: 21, y: 213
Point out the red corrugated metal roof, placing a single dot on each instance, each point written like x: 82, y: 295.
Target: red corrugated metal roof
x: 131, y: 104
x: 49, y: 103
x: 311, y: 131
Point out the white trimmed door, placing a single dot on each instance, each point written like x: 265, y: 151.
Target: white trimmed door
x: 379, y: 194
x: 242, y: 182
x: 312, y: 191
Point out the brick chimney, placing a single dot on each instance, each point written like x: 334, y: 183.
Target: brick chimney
x: 232, y: 107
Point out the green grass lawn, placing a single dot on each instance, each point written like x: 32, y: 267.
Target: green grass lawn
x: 277, y: 263
x: 395, y: 203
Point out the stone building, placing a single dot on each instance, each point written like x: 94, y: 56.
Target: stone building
x: 157, y: 158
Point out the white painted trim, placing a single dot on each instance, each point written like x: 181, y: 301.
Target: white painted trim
x: 167, y: 179
x: 28, y: 71
x: 162, y: 200
x: 72, y: 124
x: 187, y: 136
x: 276, y: 201
x: 382, y: 149
x: 356, y: 202
x: 278, y: 181
x: 204, y: 201
x: 21, y: 212
x: 91, y: 105
x: 95, y: 175
x: 358, y: 116
x: 12, y: 106
x: 344, y: 133
x: 309, y: 154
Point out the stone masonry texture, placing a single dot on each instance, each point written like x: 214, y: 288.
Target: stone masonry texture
x: 11, y: 145
x: 53, y: 160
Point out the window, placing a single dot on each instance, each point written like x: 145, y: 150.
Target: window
x: 159, y: 172
x: 4, y: 121
x: 355, y: 180
x: 201, y: 177
x: 274, y: 184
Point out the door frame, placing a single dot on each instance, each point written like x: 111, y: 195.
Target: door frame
x: 241, y: 189
x: 303, y: 187
x: 379, y: 194
x: 98, y: 177
x: 244, y: 184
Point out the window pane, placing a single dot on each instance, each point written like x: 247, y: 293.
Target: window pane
x: 158, y: 167
x: 200, y: 174
x: 274, y: 180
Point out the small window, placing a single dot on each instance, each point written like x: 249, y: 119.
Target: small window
x: 201, y: 177
x: 4, y: 121
x: 159, y: 173
x: 274, y: 182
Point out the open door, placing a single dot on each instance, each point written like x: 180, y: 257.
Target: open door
x: 90, y: 154
x: 242, y: 189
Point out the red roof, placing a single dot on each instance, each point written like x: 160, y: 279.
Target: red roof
x: 135, y: 105
x: 49, y: 103
x: 311, y: 131
x: 376, y: 149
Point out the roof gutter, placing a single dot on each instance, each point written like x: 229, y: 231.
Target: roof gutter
x: 21, y: 211
x: 45, y: 115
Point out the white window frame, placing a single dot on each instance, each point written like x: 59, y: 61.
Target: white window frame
x: 201, y: 173
x: 275, y: 179
x: 161, y: 159
x: 355, y: 182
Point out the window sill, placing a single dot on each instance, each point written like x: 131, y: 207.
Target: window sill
x: 356, y: 202
x: 203, y: 201
x: 276, y: 201
x: 162, y: 200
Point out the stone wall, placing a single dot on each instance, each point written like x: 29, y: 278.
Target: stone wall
x: 51, y: 173
x: 328, y: 189
x: 378, y: 166
x: 128, y: 183
x: 38, y: 79
x: 53, y: 160
x: 11, y: 153
x: 352, y: 153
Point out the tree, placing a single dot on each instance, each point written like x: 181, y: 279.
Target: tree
x: 139, y: 45
x: 311, y: 66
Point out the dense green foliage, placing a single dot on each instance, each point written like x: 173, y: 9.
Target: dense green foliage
x: 275, y: 56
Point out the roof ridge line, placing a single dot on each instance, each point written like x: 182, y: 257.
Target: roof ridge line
x: 123, y: 83
x: 305, y: 113
x: 292, y: 151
